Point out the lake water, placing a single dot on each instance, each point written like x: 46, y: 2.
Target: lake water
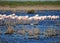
x: 42, y: 26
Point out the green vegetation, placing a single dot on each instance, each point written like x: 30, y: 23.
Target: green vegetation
x: 13, y: 3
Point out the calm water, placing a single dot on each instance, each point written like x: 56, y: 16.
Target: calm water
x: 42, y: 26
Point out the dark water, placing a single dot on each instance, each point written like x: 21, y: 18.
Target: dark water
x: 42, y: 26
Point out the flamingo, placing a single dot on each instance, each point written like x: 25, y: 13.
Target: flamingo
x: 36, y: 17
x: 25, y: 19
x: 4, y: 15
x: 19, y: 19
x: 13, y: 14
x: 53, y: 17
x: 57, y: 16
x: 49, y: 17
x: 1, y: 18
x: 8, y: 16
x: 40, y: 18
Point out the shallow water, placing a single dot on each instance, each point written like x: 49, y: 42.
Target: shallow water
x: 42, y: 26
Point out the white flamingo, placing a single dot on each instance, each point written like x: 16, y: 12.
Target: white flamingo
x: 25, y: 19
x: 4, y: 15
x: 49, y: 17
x: 1, y: 18
x: 54, y: 17
x: 36, y: 17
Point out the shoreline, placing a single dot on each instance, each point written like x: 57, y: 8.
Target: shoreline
x: 45, y: 7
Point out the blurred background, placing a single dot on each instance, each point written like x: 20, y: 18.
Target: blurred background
x: 29, y: 0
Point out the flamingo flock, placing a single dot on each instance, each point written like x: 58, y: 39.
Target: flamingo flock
x: 14, y: 19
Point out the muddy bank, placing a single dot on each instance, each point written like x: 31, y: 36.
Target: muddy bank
x: 30, y: 8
